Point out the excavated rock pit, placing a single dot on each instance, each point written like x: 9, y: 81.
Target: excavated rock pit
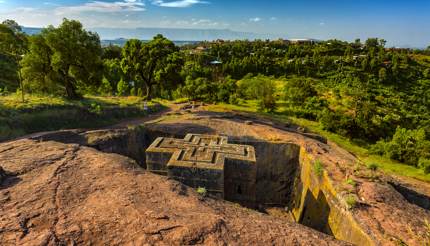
x: 286, y: 177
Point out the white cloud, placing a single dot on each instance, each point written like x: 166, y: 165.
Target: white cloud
x: 256, y: 19
x: 178, y: 4
x: 273, y: 18
x: 322, y: 23
x: 101, y: 6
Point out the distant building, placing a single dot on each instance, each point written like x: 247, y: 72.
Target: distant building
x: 216, y: 62
x: 302, y: 41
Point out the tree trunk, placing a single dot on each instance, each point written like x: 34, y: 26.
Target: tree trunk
x: 21, y: 85
x: 71, y: 90
x: 148, y: 91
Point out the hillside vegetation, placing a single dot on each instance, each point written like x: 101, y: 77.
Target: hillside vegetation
x: 376, y: 99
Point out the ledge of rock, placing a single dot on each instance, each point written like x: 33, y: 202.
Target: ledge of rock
x: 69, y: 194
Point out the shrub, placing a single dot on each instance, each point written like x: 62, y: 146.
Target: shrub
x: 351, y: 182
x: 122, y: 88
x: 424, y: 164
x: 297, y: 90
x: 202, y: 191
x: 351, y: 201
x: 105, y: 87
x: 261, y: 88
x: 406, y: 146
x: 225, y: 89
x: 133, y: 91
x: 372, y: 166
x: 338, y: 123
x: 199, y: 89
x: 95, y: 109
x: 267, y: 100
x: 234, y: 99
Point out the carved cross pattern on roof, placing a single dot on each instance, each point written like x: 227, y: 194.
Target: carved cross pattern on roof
x: 201, y: 151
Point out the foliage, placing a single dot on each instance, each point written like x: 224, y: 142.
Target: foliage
x: 95, y: 109
x: 66, y: 57
x: 424, y: 164
x: 372, y: 166
x: 351, y: 182
x: 202, y: 191
x: 122, y: 88
x: 156, y: 62
x: 199, y: 89
x: 13, y: 45
x: 407, y: 146
x: 298, y: 90
x: 46, y: 113
x: 351, y: 201
x: 261, y: 88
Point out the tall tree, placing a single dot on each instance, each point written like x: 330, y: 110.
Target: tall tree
x: 151, y: 63
x: 13, y: 44
x: 73, y: 55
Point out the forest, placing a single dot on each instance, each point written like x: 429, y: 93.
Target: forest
x: 376, y: 96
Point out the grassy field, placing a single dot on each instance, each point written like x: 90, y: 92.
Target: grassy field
x: 383, y: 163
x: 45, y: 113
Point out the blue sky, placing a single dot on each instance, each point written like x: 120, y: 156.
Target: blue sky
x: 402, y: 23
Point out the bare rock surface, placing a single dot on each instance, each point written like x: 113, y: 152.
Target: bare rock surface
x: 66, y: 194
x: 382, y: 211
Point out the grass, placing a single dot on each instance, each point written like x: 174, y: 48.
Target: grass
x: 351, y: 201
x: 318, y: 168
x: 370, y: 160
x: 202, y: 191
x: 351, y: 182
x: 13, y: 101
x: 46, y: 113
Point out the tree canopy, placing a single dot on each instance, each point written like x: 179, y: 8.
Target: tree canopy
x: 151, y: 63
x: 67, y: 56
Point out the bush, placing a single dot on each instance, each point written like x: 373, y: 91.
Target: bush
x: 225, y: 89
x: 372, y: 166
x: 261, y: 88
x: 424, y: 164
x: 105, y: 87
x: 351, y: 201
x: 122, y: 88
x: 202, y: 191
x: 267, y: 99
x: 234, y: 99
x: 406, y: 146
x: 200, y: 89
x: 338, y: 123
x: 298, y: 90
x: 351, y: 182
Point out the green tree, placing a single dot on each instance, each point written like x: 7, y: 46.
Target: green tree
x: 36, y: 69
x: 408, y: 146
x: 151, y: 63
x: 13, y: 45
x: 200, y: 89
x: 122, y: 88
x: 383, y: 75
x: 298, y: 90
x: 73, y: 55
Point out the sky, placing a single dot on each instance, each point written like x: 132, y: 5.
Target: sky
x: 404, y: 23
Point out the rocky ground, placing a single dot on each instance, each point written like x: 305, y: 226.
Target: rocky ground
x: 54, y: 193
x: 57, y: 194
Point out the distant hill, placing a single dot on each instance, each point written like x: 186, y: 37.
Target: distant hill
x: 178, y: 34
